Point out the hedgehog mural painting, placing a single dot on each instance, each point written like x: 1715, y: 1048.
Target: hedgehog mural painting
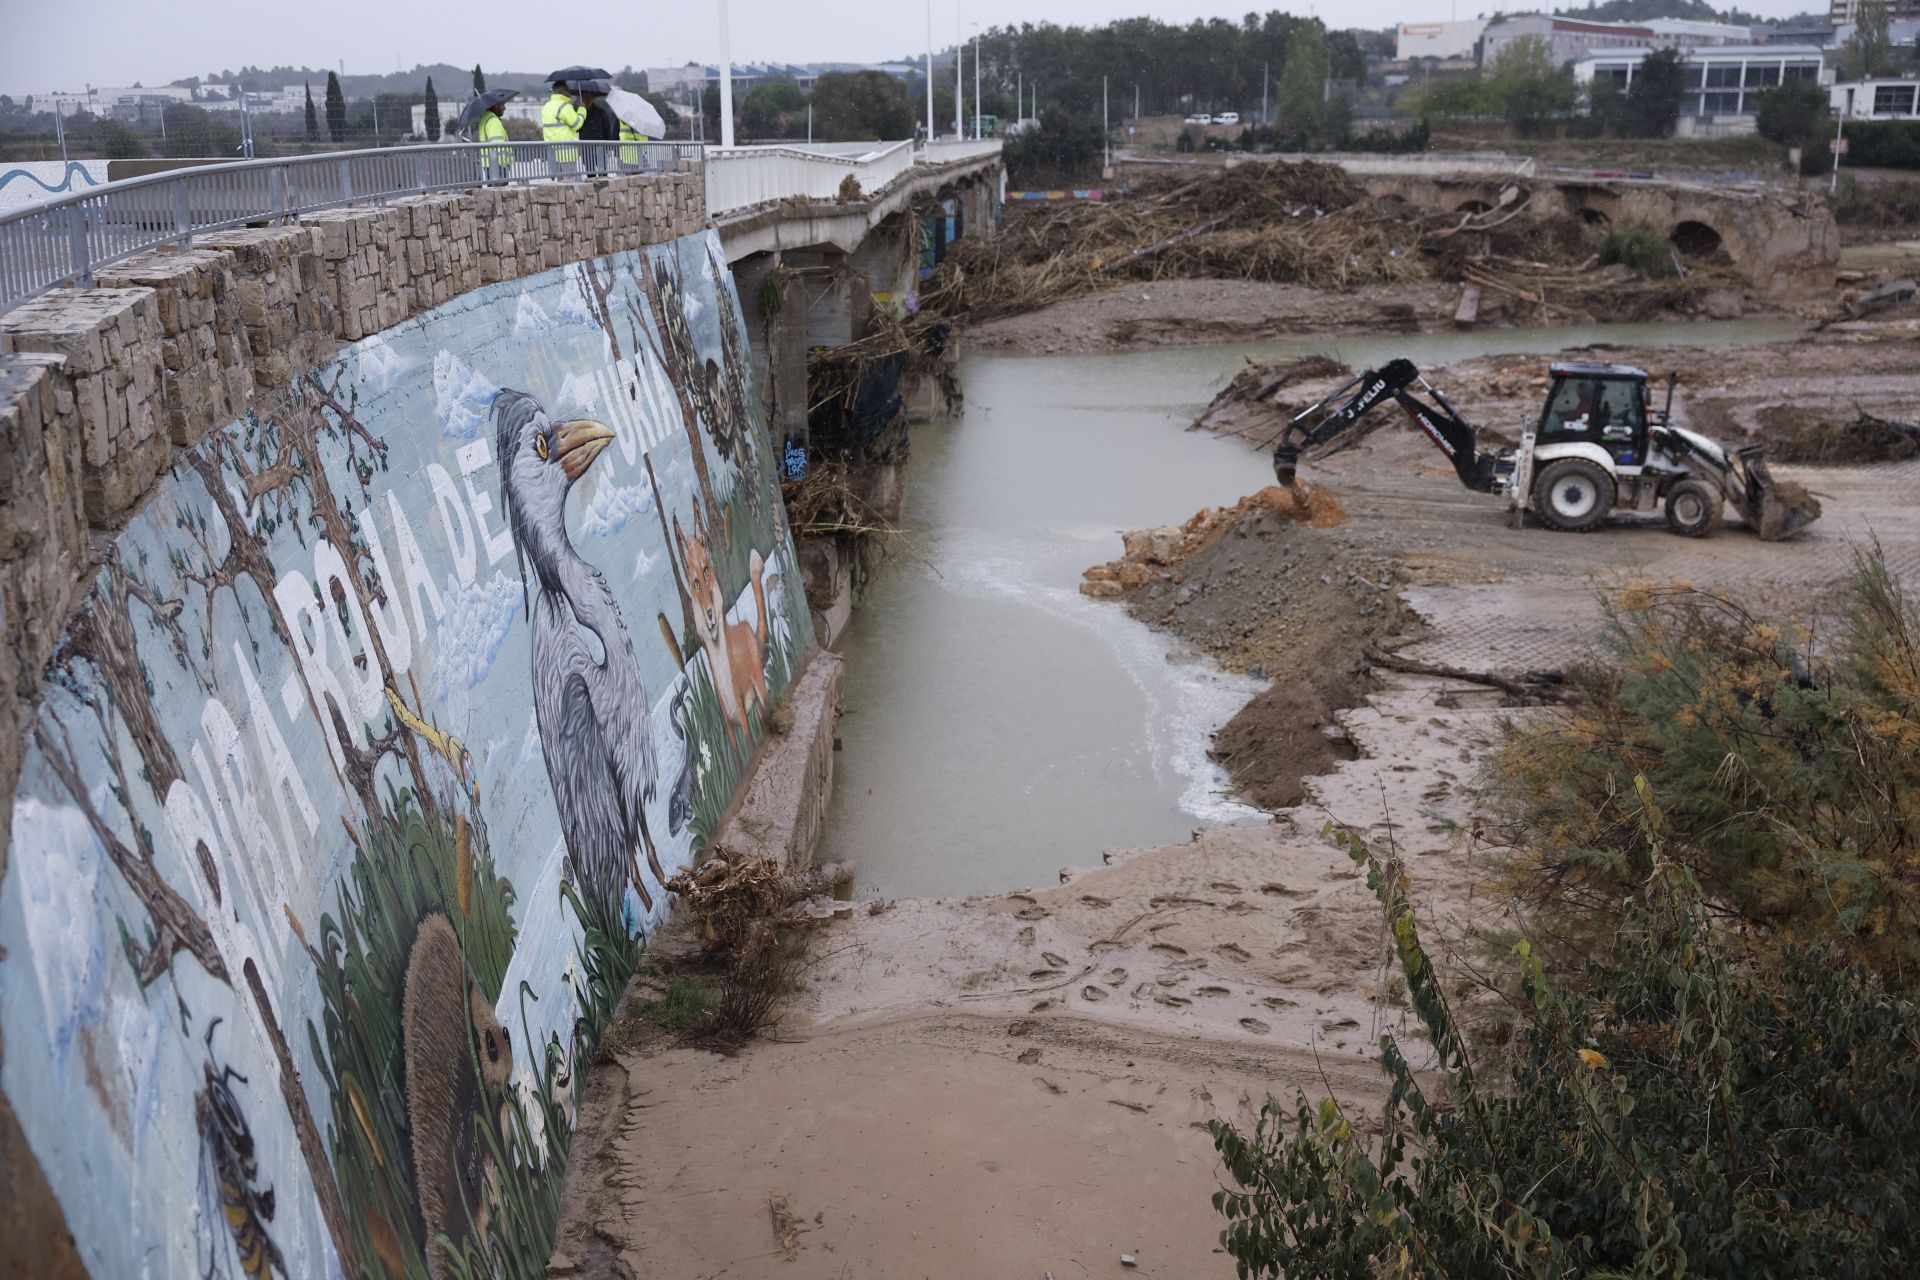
x: 283, y: 781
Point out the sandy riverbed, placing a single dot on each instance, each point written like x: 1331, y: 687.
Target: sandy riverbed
x: 1017, y: 1085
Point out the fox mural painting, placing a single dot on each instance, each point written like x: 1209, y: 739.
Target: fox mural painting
x: 356, y: 781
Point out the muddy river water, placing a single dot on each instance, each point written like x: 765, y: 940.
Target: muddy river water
x: 999, y: 725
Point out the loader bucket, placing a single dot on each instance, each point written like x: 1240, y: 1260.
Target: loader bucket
x: 1780, y: 508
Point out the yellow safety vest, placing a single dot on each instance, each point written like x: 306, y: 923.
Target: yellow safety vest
x: 630, y: 155
x: 494, y: 129
x: 560, y: 121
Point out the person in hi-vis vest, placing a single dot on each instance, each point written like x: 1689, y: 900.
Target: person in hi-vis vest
x: 560, y: 121
x: 495, y: 160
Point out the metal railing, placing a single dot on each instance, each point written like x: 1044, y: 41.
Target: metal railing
x: 743, y: 177
x: 65, y: 241
x: 945, y: 151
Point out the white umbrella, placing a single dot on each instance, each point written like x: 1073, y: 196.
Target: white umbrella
x: 637, y: 113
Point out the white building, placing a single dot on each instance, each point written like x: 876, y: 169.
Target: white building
x: 1723, y: 82
x: 1682, y: 33
x: 1443, y: 40
x: 1566, y: 38
x: 1876, y: 99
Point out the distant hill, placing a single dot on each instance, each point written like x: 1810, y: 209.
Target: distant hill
x: 451, y: 83
x: 1641, y: 10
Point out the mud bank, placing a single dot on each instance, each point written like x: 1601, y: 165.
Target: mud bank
x: 1014, y: 1084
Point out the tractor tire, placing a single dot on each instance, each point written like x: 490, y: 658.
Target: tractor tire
x: 1573, y: 495
x: 1694, y: 508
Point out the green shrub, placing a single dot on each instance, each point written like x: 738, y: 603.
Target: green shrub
x: 1791, y: 776
x: 686, y: 1004
x: 1693, y: 1114
x: 1641, y: 248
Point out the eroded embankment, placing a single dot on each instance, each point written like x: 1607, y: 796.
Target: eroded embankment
x: 1268, y: 588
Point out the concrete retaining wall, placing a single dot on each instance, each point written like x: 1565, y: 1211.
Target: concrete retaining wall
x: 360, y: 699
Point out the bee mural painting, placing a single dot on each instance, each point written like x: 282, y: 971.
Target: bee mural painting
x: 355, y: 753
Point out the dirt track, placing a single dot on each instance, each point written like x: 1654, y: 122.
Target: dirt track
x: 1015, y: 1085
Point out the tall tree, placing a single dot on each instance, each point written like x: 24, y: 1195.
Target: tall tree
x: 479, y: 79
x: 1524, y: 86
x: 313, y: 121
x: 336, y: 109
x: 1653, y: 99
x: 433, y: 112
x: 1872, y: 43
x: 1303, y: 79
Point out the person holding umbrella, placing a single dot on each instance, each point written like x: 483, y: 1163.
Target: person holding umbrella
x: 639, y: 122
x: 562, y: 115
x: 483, y: 115
x: 600, y: 125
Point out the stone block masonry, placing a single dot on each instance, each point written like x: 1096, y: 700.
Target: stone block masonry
x: 103, y: 385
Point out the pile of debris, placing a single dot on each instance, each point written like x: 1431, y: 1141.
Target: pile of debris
x: 1311, y: 224
x: 1306, y: 223
x: 1152, y: 554
x: 1796, y: 436
x: 1262, y: 398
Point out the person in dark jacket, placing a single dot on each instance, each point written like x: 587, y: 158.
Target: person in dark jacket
x: 601, y: 124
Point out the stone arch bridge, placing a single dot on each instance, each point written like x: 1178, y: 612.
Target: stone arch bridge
x: 1780, y: 239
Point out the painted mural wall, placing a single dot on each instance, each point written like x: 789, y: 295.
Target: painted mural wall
x: 347, y: 811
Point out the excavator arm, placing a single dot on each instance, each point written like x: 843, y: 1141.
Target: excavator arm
x: 1353, y: 400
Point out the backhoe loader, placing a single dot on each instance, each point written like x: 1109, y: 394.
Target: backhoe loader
x: 1598, y: 446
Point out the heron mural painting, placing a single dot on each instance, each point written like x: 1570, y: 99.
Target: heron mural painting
x: 357, y: 778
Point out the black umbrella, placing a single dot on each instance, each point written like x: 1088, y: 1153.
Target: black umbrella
x: 600, y: 86
x: 479, y: 105
x: 570, y: 74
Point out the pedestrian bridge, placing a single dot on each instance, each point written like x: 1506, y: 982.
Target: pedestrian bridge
x: 66, y: 239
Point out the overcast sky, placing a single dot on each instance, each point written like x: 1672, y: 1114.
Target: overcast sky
x: 61, y: 45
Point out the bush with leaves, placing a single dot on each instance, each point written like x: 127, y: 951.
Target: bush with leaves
x: 1642, y: 248
x: 1691, y: 1111
x: 1791, y: 772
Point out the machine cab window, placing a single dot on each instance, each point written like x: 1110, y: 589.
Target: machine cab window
x: 1603, y: 405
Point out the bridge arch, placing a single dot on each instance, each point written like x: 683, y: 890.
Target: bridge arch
x: 1699, y: 241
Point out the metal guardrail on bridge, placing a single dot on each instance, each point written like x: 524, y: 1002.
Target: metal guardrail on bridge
x: 64, y: 241
x: 742, y: 177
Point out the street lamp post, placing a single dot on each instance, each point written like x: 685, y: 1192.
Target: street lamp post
x: 930, y: 124
x: 959, y: 76
x: 1106, y: 132
x: 976, y: 82
x: 726, y: 81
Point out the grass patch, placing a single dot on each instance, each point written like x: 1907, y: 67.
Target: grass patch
x: 1641, y: 248
x: 685, y: 1005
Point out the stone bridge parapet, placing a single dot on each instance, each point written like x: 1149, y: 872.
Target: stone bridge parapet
x: 99, y: 387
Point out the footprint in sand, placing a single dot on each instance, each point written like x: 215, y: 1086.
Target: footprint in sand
x: 1142, y: 991
x: 1280, y: 1002
x: 1341, y: 1024
x: 1212, y: 991
x: 1039, y: 1005
x: 1020, y: 897
x: 1177, y: 1002
x: 1115, y: 977
x: 1240, y: 907
x: 1093, y: 900
x: 1024, y: 937
x: 1041, y: 975
x: 1224, y: 886
x: 1029, y: 1056
x: 1281, y: 891
x: 1169, y: 948
x: 1235, y: 950
x: 1095, y: 994
x: 1256, y: 1026
x: 1058, y: 962
x: 1031, y: 913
